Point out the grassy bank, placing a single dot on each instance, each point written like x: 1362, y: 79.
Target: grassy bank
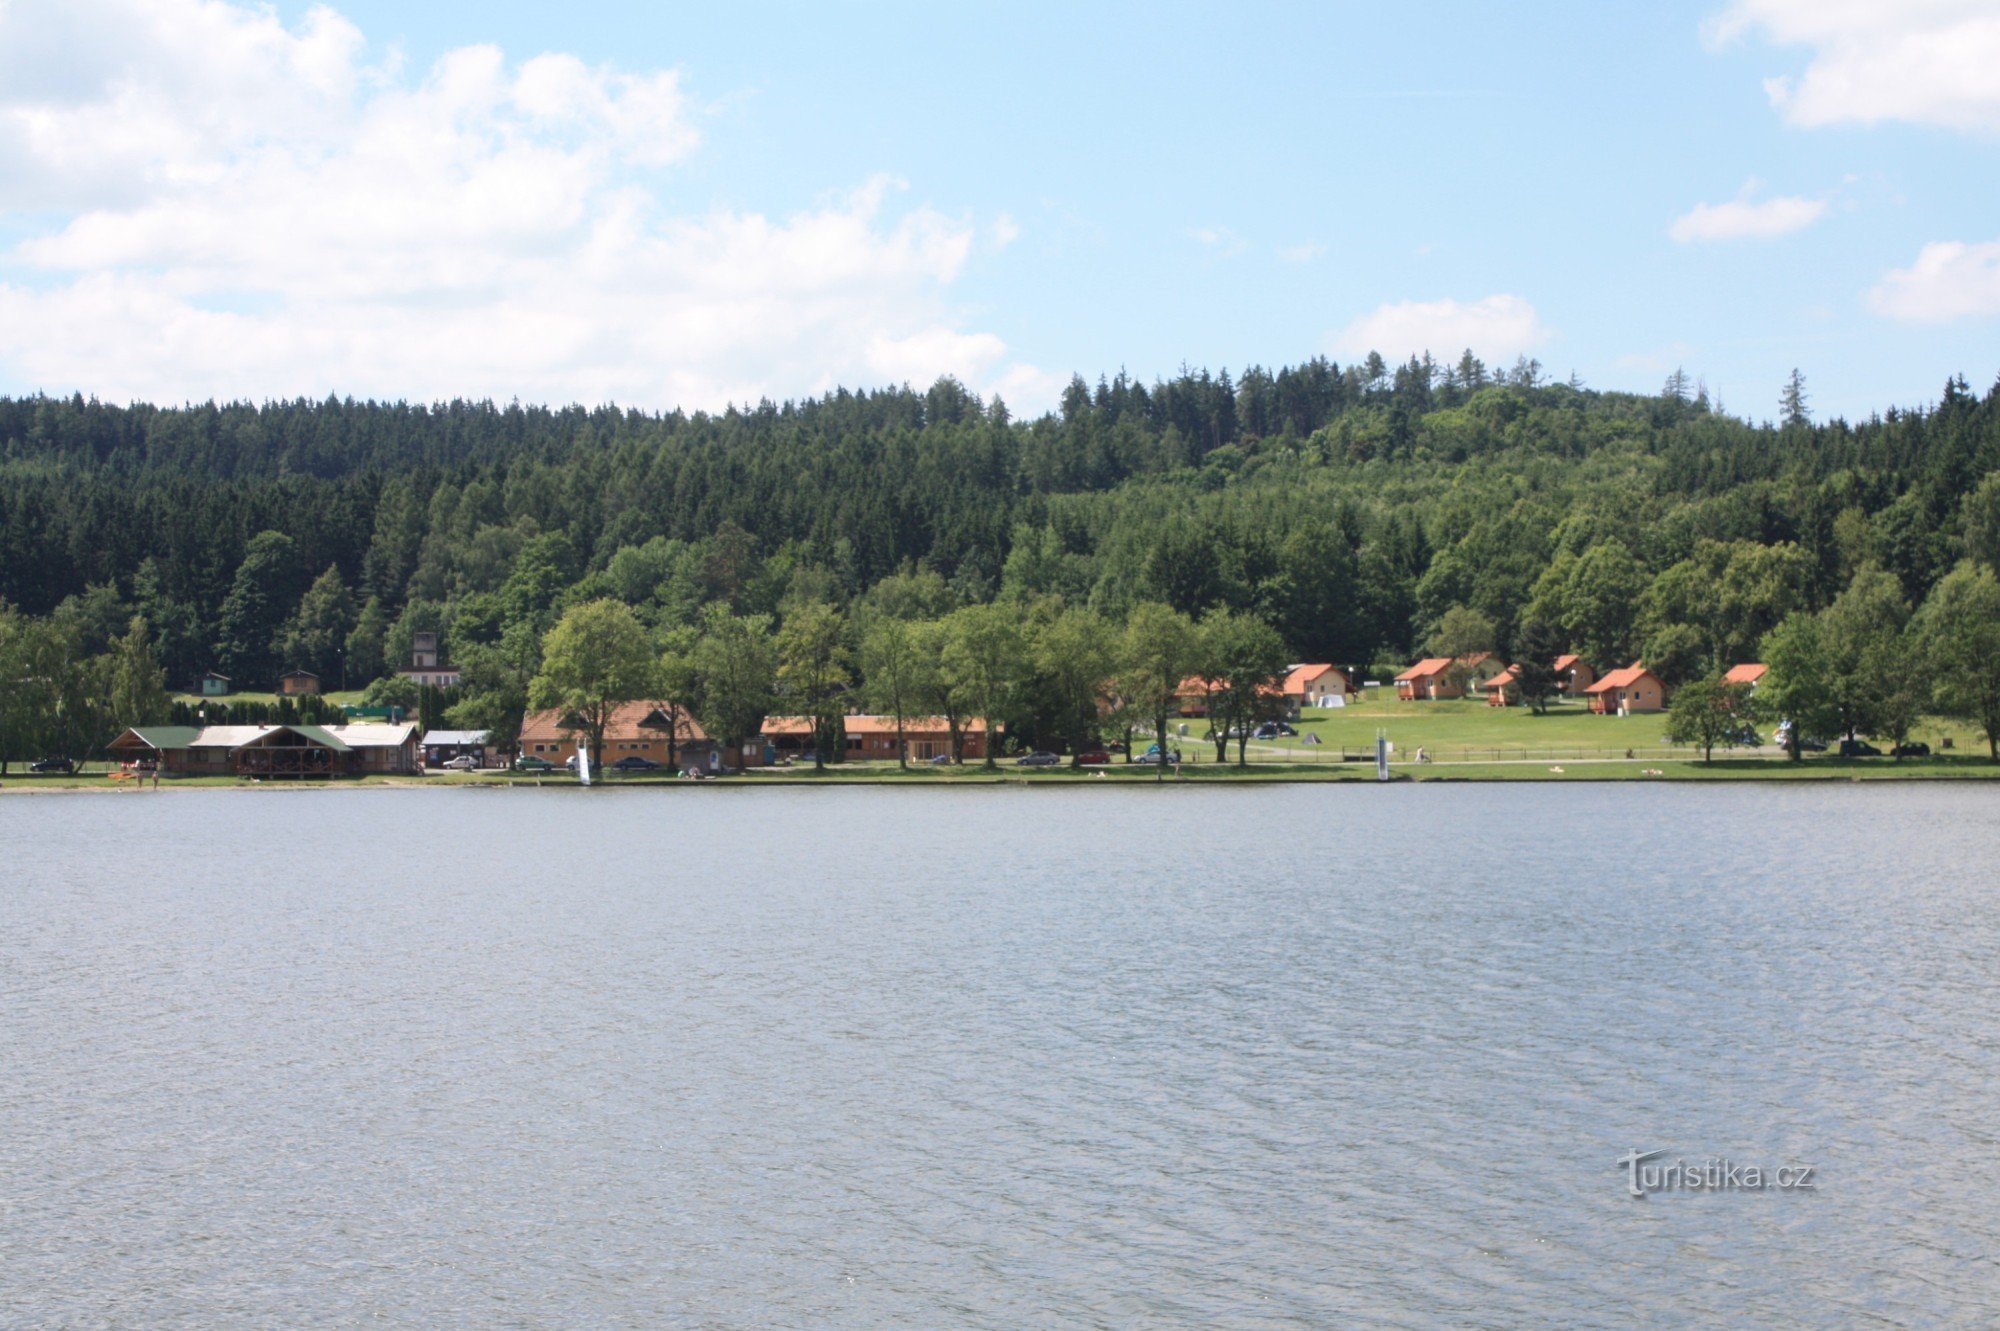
x: 1740, y: 768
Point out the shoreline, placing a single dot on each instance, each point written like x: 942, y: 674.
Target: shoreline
x: 1496, y: 773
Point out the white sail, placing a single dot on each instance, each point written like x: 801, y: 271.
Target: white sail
x: 583, y: 764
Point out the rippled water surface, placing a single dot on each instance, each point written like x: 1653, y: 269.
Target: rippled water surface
x: 1255, y: 1057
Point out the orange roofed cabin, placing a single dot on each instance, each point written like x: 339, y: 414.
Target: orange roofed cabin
x: 1437, y: 677
x: 1622, y: 692
x: 1504, y: 689
x: 1573, y: 675
x: 1194, y: 690
x: 1750, y: 672
x: 1313, y: 685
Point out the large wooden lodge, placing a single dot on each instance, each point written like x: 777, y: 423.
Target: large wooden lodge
x: 294, y: 751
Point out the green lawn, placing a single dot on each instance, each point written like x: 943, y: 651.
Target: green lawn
x: 1468, y: 731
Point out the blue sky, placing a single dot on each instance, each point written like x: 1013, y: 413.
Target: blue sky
x: 710, y: 203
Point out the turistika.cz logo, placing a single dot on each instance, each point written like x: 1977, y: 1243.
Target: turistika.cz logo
x: 1711, y: 1175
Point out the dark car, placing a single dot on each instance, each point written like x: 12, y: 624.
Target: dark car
x: 1093, y: 758
x: 1858, y: 748
x: 1916, y: 748
x: 1039, y: 759
x: 528, y: 762
x: 637, y: 762
x: 52, y: 765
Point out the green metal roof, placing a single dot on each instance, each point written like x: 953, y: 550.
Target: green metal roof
x: 321, y: 735
x: 165, y: 737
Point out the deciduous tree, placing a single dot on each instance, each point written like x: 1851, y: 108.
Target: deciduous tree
x: 813, y: 674
x: 595, y: 658
x: 1158, y: 650
x: 1959, y: 629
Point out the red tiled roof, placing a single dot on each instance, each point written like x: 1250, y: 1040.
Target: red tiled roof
x: 1195, y: 685
x: 1747, y: 673
x: 1424, y: 669
x: 627, y: 721
x: 1567, y: 660
x: 1302, y: 675
x: 1620, y: 679
x: 1511, y: 675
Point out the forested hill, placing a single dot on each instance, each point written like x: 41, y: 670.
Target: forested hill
x: 1351, y: 508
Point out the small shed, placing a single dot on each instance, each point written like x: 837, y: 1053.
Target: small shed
x: 298, y: 683
x: 214, y: 684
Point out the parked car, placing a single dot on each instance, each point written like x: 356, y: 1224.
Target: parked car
x: 1039, y: 758
x: 528, y: 762
x: 1093, y: 758
x: 941, y: 760
x: 1153, y: 754
x: 465, y: 762
x: 1745, y: 737
x: 1273, y: 729
x: 1858, y: 748
x: 1916, y: 748
x: 52, y: 765
x: 635, y: 762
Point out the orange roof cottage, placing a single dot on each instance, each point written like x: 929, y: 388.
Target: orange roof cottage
x: 1437, y: 677
x: 1750, y: 672
x: 1633, y: 689
x: 1573, y: 675
x: 1194, y: 690
x: 1316, y: 686
x: 1504, y: 689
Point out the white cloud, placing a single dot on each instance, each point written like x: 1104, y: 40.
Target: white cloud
x: 214, y: 204
x: 1931, y: 62
x: 1747, y: 218
x: 1950, y: 280
x: 1495, y: 328
x: 1218, y: 238
x: 1303, y: 253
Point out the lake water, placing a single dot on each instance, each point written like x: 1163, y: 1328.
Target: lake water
x: 1305, y: 1056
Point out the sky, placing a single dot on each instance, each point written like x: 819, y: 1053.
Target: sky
x: 687, y: 205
